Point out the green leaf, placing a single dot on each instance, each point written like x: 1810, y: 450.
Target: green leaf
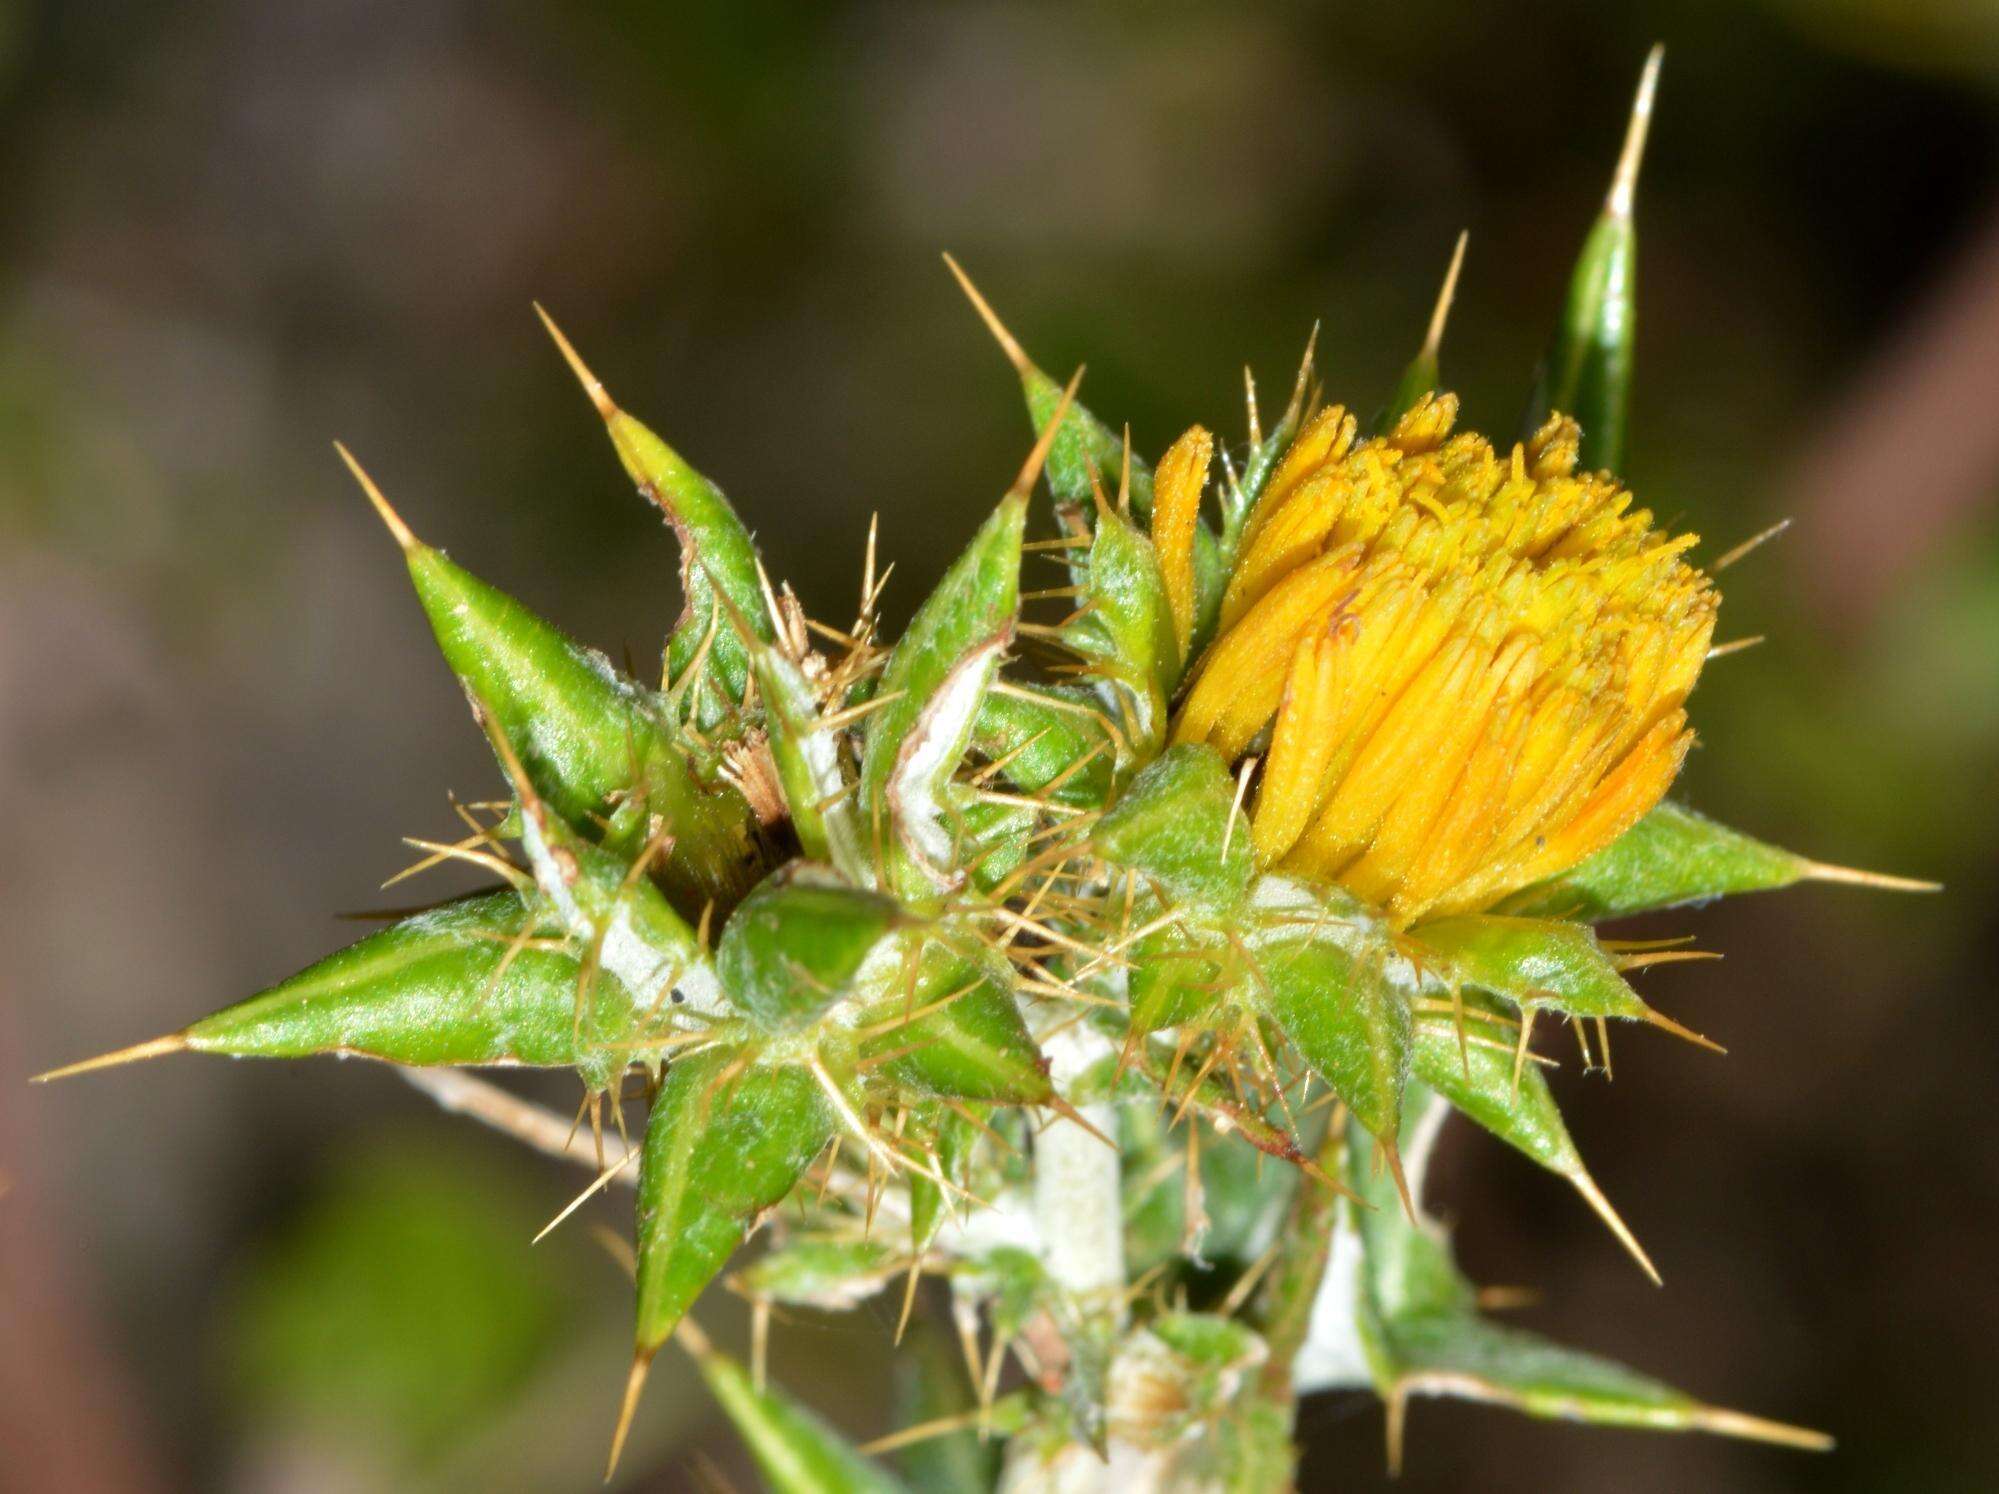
x: 1588, y: 369
x: 1042, y: 733
x: 1218, y: 1104
x: 1333, y: 999
x: 1425, y: 1337
x: 796, y: 1451
x: 1671, y: 857
x: 1172, y: 825
x: 989, y: 839
x: 457, y: 985
x: 723, y: 1143
x: 957, y: 1032
x: 1534, y: 963
x: 1479, y: 1360
x: 1178, y: 972
x: 825, y: 1272
x: 1424, y: 374
x: 808, y: 765
x: 1126, y: 632
x: 930, y: 694
x: 1487, y: 1079
x: 717, y: 556
x: 591, y: 742
x: 1239, y: 499
x: 953, y: 1139
x: 793, y: 945
x: 1086, y: 455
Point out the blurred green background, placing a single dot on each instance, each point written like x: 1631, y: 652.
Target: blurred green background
x: 231, y: 230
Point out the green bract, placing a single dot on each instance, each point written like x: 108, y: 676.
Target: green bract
x: 935, y: 961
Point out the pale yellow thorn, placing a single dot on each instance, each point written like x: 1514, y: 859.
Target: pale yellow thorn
x: 1294, y: 409
x: 908, y: 1296
x: 635, y: 1383
x: 1853, y: 876
x: 592, y: 385
x: 1433, y: 339
x: 1754, y: 542
x: 1397, y: 1410
x: 603, y: 1179
x: 173, y: 1042
x: 1734, y: 646
x: 1761, y: 1429
x: 1593, y: 1195
x: 1015, y: 354
x: 404, y: 536
x: 1393, y: 1155
x: 923, y: 1431
x: 1666, y: 1024
x: 1624, y: 183
x: 1235, y: 807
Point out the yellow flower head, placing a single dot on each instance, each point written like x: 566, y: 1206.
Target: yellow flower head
x: 1472, y: 666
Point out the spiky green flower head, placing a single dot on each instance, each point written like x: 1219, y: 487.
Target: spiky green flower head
x: 1285, y: 830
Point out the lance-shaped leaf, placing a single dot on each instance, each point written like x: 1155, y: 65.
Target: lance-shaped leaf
x: 1467, y: 1357
x: 1086, y: 455
x: 1240, y: 494
x: 1673, y: 857
x: 612, y: 908
x: 1588, y: 369
x: 990, y: 838
x: 1186, y: 1087
x: 826, y: 1272
x: 946, y: 1024
x: 1538, y: 963
x: 1426, y: 1337
x: 1126, y: 633
x: 717, y: 555
x: 1179, y: 973
x: 1480, y: 1070
x: 473, y: 982
x: 726, y: 1140
x: 930, y: 695
x: 794, y: 944
x: 1424, y: 374
x: 1333, y: 999
x: 796, y: 1451
x: 808, y: 764
x: 591, y: 742
x: 1048, y: 740
x: 1180, y: 824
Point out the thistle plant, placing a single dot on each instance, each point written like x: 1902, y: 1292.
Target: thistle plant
x: 1110, y: 946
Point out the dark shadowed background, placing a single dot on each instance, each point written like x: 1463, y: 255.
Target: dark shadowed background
x: 232, y: 230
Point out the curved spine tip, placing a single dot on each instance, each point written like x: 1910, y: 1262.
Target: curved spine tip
x: 404, y: 535
x: 1624, y: 182
x: 1433, y: 338
x: 159, y: 1047
x: 592, y: 385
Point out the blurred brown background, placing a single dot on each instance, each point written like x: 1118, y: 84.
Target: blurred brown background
x: 231, y: 230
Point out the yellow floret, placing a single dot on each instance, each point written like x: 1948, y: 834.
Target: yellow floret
x: 1472, y: 666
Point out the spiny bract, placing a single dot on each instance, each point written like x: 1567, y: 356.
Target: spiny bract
x: 996, y: 952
